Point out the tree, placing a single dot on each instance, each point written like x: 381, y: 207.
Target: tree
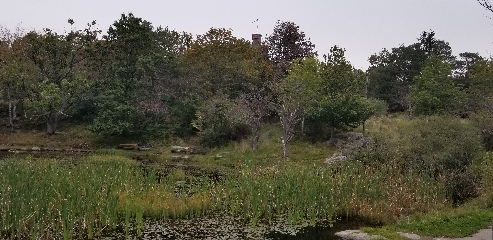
x: 218, y: 121
x: 16, y: 72
x: 433, y: 90
x: 139, y: 67
x: 295, y: 93
x: 339, y: 101
x: 219, y: 62
x: 464, y: 67
x: 486, y: 4
x: 287, y: 44
x: 392, y: 72
x: 62, y: 80
x: 254, y: 107
x: 480, y: 89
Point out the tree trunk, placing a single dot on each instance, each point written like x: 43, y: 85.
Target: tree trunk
x: 11, y: 116
x: 255, y: 142
x: 284, y: 148
x: 303, y: 126
x: 52, y: 123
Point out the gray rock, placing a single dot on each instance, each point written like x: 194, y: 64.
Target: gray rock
x: 357, y: 235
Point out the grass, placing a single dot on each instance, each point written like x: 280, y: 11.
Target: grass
x: 80, y: 198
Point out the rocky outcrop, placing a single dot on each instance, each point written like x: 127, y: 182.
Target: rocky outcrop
x: 347, y: 143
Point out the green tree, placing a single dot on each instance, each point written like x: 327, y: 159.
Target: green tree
x: 139, y: 71
x: 62, y: 80
x: 294, y: 94
x: 218, y: 122
x: 339, y: 101
x: 392, y: 72
x: 433, y: 90
x: 219, y: 62
x: 17, y: 73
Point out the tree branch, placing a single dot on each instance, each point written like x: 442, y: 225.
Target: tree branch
x: 486, y: 4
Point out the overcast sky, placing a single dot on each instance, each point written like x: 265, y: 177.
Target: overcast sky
x: 362, y: 27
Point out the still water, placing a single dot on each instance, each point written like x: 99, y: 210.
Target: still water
x: 221, y: 227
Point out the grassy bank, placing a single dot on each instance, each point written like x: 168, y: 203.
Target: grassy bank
x: 403, y: 180
x: 45, y: 198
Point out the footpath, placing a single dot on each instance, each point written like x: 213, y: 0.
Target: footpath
x: 485, y: 234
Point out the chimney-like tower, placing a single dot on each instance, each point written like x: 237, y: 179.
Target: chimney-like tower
x: 256, y: 39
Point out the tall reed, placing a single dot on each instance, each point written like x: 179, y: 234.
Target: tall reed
x: 299, y: 192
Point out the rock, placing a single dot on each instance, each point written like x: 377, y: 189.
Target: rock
x: 409, y: 235
x: 357, y: 235
x: 347, y: 143
x: 336, y: 157
x: 36, y: 149
x: 190, y: 150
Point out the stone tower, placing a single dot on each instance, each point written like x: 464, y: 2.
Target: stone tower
x: 256, y: 39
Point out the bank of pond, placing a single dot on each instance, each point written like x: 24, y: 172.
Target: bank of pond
x: 109, y: 195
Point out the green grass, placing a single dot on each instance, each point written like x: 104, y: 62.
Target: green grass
x: 459, y: 222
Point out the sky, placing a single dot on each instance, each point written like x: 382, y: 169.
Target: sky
x: 362, y: 27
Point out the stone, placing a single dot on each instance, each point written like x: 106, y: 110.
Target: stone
x: 357, y: 235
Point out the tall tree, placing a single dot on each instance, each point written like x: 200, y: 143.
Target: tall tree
x: 219, y: 62
x: 60, y: 59
x: 286, y: 44
x: 17, y: 73
x: 433, y: 90
x: 392, y: 72
x: 294, y: 94
x: 139, y: 66
x: 339, y: 101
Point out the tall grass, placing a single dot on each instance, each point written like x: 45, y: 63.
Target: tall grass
x: 46, y: 199
x: 299, y: 192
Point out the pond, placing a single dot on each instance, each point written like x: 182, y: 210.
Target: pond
x: 224, y: 227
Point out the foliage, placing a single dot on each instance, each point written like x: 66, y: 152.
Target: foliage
x: 444, y: 147
x: 338, y: 102
x: 287, y: 44
x: 433, y: 91
x: 140, y: 79
x: 392, y: 72
x: 61, y: 79
x: 218, y: 122
x: 218, y: 61
x: 294, y: 94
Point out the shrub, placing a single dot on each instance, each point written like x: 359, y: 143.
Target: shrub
x: 218, y: 122
x: 442, y: 146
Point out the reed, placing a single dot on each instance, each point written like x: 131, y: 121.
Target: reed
x: 299, y: 192
x: 43, y: 198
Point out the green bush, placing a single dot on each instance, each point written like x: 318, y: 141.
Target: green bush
x: 218, y: 122
x: 443, y: 147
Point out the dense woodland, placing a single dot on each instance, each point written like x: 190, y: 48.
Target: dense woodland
x: 138, y: 80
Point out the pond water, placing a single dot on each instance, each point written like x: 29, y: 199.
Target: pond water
x: 223, y: 227
x: 216, y: 226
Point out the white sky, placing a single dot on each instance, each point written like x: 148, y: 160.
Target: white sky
x: 362, y: 27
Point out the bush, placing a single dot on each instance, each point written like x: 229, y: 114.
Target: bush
x: 441, y: 146
x: 218, y: 122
